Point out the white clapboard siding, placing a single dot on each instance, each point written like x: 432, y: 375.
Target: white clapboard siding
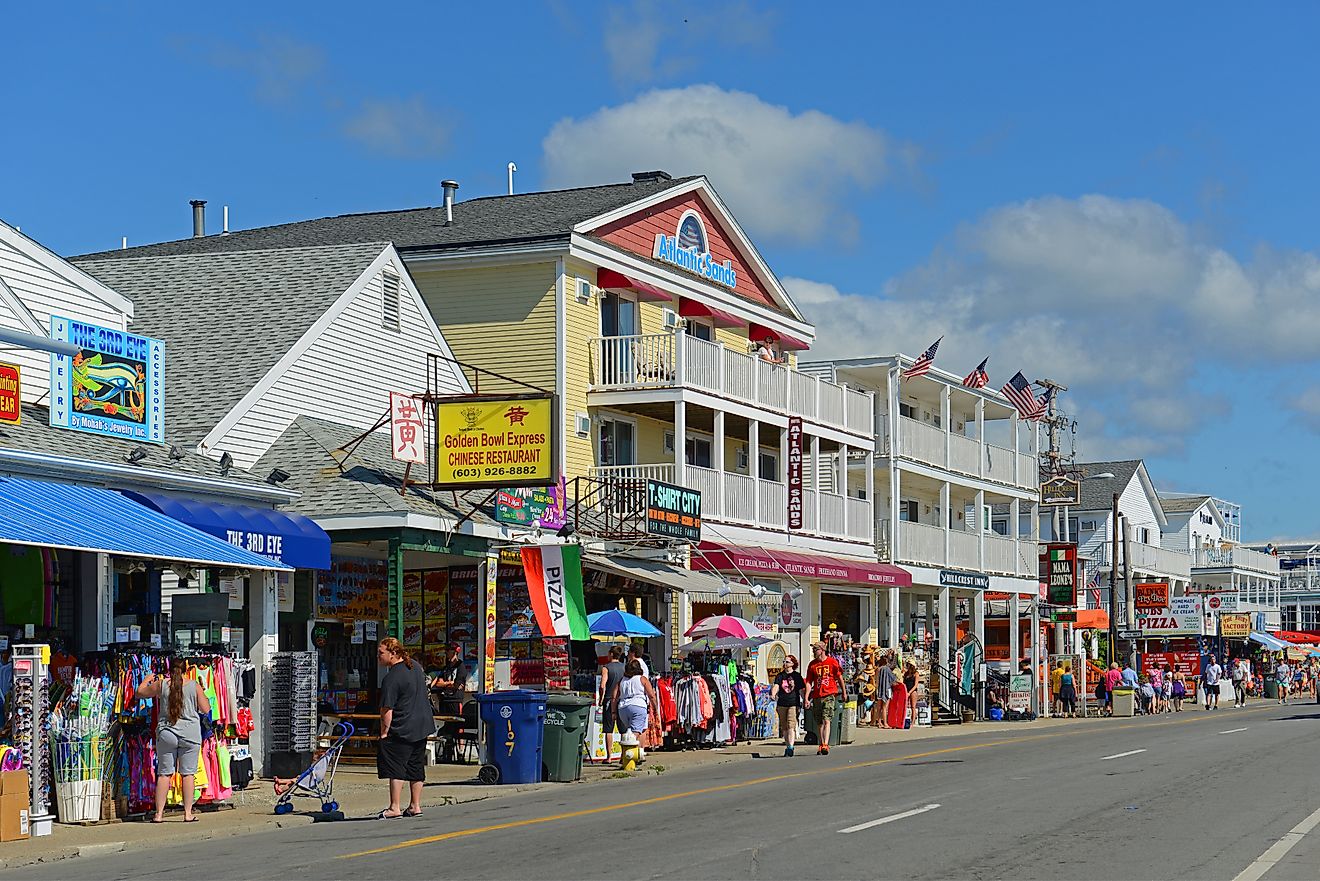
x: 43, y: 292
x: 347, y: 373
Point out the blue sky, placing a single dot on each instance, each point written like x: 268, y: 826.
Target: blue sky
x: 1118, y: 198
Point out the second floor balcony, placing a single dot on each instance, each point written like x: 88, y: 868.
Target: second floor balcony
x: 928, y: 444
x: 1235, y: 558
x: 1147, y: 559
x: 925, y: 544
x: 675, y: 360
x: 743, y: 500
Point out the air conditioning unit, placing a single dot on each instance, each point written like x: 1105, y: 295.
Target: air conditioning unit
x: 582, y: 424
x: 668, y: 443
x: 671, y: 319
x: 1088, y: 524
x: 741, y: 459
x: 583, y: 290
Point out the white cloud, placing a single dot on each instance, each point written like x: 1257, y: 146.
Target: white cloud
x: 1119, y: 299
x: 787, y: 176
x: 403, y: 127
x: 279, y: 67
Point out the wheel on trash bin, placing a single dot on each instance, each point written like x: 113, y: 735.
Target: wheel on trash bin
x: 329, y: 807
x: 284, y: 808
x: 489, y: 774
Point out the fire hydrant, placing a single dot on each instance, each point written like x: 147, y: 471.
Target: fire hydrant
x: 631, y: 753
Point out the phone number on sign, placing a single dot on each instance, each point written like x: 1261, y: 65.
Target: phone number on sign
x: 508, y: 471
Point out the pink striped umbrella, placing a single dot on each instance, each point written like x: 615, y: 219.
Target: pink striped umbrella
x: 722, y: 627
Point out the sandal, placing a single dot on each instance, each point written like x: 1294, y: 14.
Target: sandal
x: 386, y: 815
x: 154, y: 821
x: 408, y: 813
x: 190, y: 819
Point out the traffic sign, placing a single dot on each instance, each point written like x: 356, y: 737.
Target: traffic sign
x: 1129, y: 634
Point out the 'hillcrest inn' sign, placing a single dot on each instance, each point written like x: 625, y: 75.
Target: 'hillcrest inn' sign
x: 688, y: 249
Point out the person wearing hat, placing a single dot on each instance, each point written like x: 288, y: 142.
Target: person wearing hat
x: 826, y: 687
x: 448, y: 691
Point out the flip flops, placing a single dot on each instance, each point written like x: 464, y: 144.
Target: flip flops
x: 386, y: 815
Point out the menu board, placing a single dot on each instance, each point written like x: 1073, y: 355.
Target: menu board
x: 412, y: 609
x: 354, y: 588
x: 513, y: 607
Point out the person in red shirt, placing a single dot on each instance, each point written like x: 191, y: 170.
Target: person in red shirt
x: 824, y: 684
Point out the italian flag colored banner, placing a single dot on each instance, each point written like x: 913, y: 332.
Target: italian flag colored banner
x: 554, y: 582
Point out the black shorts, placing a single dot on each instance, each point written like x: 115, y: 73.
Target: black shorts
x: 607, y: 718
x: 401, y: 760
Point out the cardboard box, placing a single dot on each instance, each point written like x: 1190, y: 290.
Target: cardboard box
x: 15, y: 783
x: 13, y: 817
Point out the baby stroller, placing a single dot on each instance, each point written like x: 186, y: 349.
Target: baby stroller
x: 318, y: 781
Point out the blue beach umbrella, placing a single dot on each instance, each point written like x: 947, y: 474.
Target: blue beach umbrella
x: 613, y: 622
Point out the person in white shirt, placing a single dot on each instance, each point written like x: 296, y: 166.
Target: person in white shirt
x: 1283, y: 679
x: 1239, y: 674
x: 1210, y: 683
x: 634, y: 653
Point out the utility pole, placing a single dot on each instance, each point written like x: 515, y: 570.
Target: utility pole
x: 1129, y: 591
x: 1053, y: 464
x: 1113, y: 579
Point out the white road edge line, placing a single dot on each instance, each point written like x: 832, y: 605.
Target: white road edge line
x: 1277, y: 851
x: 889, y: 819
x: 1131, y: 752
x: 1233, y: 731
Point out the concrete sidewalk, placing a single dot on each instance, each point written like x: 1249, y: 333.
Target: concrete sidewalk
x: 360, y: 794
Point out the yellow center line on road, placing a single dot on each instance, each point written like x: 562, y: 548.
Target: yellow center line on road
x: 759, y: 781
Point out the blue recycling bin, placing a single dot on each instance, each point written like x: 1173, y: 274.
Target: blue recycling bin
x: 515, y: 728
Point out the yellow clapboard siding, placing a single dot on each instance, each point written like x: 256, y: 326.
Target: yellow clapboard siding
x: 500, y: 318
x: 581, y: 325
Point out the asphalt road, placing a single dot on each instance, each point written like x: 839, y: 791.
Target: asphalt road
x: 1196, y: 795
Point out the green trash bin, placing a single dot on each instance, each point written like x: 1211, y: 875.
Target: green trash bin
x: 1271, y: 688
x: 566, y: 717
x: 811, y: 722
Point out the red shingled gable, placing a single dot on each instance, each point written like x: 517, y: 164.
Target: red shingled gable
x: 637, y: 233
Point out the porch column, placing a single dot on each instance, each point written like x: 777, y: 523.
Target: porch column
x: 870, y: 493
x: 978, y: 630
x: 945, y: 424
x: 815, y: 480
x: 754, y: 467
x: 981, y: 526
x: 946, y: 627
x: 945, y: 516
x: 680, y: 442
x: 1015, y: 533
x: 980, y: 436
x: 1014, y: 633
x: 105, y: 602
x: 895, y: 615
x: 1036, y: 678
x: 717, y: 453
x: 841, y: 481
x: 262, y: 639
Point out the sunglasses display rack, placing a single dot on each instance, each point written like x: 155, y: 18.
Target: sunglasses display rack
x: 31, y: 724
x: 293, y: 701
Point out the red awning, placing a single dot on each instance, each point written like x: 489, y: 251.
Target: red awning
x: 812, y: 567
x: 1297, y: 637
x: 694, y: 309
x: 617, y: 281
x: 759, y: 333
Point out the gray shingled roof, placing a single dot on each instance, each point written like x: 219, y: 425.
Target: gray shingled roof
x: 37, y: 435
x: 227, y: 318
x: 491, y: 219
x: 1182, y: 504
x: 369, y: 484
x: 1098, y: 495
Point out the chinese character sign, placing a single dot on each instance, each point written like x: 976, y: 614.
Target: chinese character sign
x: 794, y: 472
x: 408, y: 443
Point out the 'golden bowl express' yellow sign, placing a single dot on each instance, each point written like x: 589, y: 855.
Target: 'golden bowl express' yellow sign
x: 496, y: 442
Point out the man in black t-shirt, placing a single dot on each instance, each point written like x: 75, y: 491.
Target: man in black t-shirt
x: 788, y: 690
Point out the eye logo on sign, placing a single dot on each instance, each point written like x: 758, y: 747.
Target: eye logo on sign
x: 689, y: 248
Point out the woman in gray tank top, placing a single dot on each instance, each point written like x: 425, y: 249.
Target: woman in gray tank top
x: 178, y: 734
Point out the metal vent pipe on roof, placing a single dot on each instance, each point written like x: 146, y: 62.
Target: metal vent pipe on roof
x: 450, y: 187
x: 199, y: 217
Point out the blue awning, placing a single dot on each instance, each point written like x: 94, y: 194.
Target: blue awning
x: 86, y: 518
x: 288, y: 538
x: 1273, y: 643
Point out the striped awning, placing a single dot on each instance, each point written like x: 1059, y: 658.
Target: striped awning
x: 86, y: 518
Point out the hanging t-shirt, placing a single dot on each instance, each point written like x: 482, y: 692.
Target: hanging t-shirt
x: 824, y: 675
x: 791, y: 688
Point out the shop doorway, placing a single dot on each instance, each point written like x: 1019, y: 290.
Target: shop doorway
x: 844, y: 611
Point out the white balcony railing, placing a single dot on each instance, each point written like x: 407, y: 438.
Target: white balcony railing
x: 1001, y: 555
x: 1149, y: 558
x: 927, y: 443
x: 920, y: 543
x: 1235, y: 558
x: 920, y: 441
x: 999, y: 464
x: 1027, y: 470
x: 964, y: 453
x: 964, y: 549
x: 727, y: 497
x: 678, y: 360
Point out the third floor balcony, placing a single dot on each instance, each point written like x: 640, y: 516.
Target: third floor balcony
x: 947, y: 450
x: 669, y: 361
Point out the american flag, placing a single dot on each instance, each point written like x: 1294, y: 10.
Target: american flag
x: 1045, y: 403
x: 1018, y: 390
x: 921, y: 366
x: 978, y: 378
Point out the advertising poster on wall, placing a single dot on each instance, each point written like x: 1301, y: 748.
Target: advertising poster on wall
x: 114, y: 386
x: 532, y: 506
x: 11, y: 394
x: 353, y: 588
x: 1182, y: 617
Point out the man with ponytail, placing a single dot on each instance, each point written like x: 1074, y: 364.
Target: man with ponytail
x: 178, y: 734
x: 405, y: 724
